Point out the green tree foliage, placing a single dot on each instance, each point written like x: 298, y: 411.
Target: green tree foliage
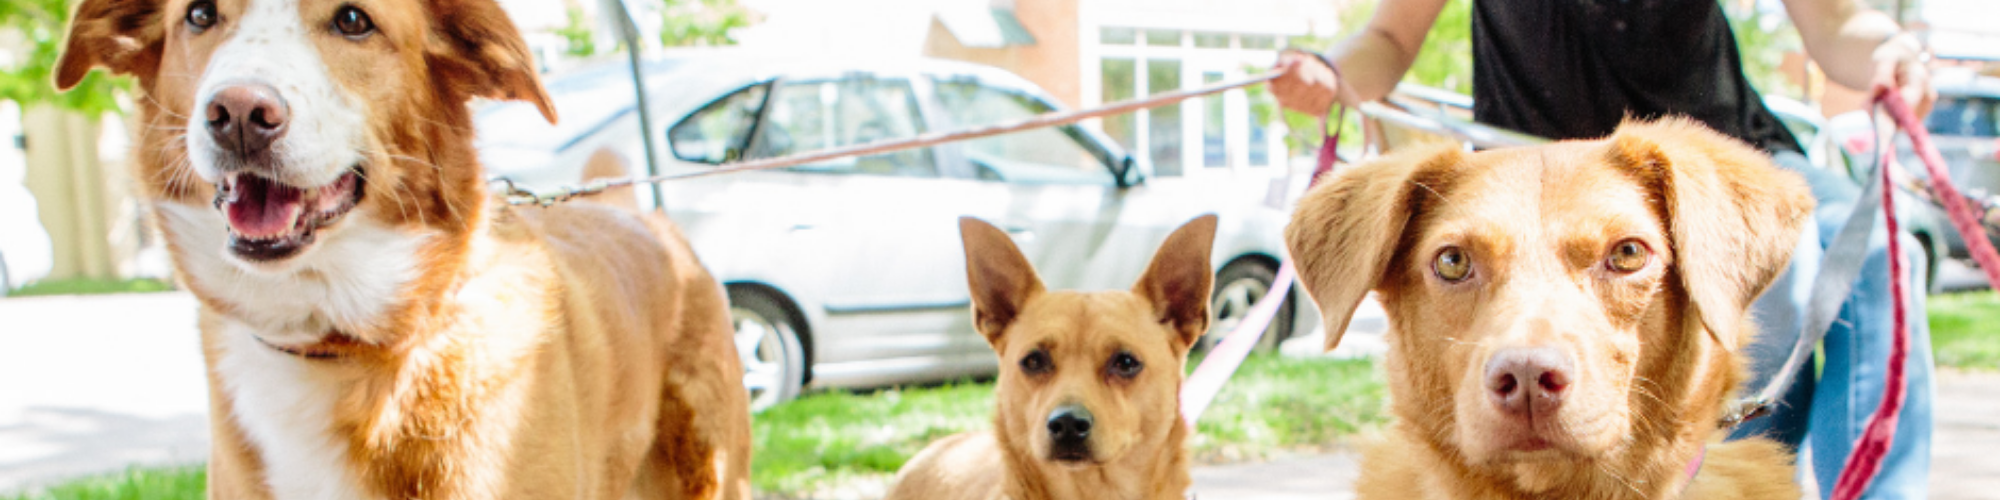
x: 695, y: 23
x: 1445, y: 62
x: 1763, y: 40
x: 577, y: 35
x: 27, y: 80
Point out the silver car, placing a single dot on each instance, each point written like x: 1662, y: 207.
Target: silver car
x: 850, y: 273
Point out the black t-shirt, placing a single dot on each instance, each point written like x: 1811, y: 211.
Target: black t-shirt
x: 1573, y: 69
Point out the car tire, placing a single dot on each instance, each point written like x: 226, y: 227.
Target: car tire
x: 770, y: 342
x: 1237, y: 287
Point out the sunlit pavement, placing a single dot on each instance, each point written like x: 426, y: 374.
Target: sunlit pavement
x: 96, y: 384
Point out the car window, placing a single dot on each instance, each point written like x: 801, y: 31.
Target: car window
x: 811, y: 115
x: 719, y: 131
x: 1965, y: 116
x: 1043, y: 155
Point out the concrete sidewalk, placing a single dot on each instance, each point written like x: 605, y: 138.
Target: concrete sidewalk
x: 95, y: 384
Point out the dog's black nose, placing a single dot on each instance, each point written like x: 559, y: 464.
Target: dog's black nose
x: 246, y: 118
x: 1069, y: 428
x: 1527, y: 381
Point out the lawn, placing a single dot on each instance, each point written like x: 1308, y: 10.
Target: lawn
x: 825, y: 439
x: 89, y: 286
x: 1965, y: 330
x: 170, y: 483
x: 1272, y: 404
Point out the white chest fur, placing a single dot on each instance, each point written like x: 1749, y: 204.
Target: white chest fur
x: 283, y: 403
x: 286, y: 406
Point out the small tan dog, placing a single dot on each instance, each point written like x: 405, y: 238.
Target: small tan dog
x: 1563, y: 319
x: 375, y: 326
x: 1088, y: 402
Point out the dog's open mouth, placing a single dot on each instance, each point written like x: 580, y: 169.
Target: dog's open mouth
x: 269, y: 220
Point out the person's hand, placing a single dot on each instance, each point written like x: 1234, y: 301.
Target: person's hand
x: 1899, y: 64
x: 1307, y: 85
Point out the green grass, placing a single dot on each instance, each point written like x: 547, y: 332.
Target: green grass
x: 833, y: 436
x: 168, y: 483
x: 1965, y: 330
x: 1273, y: 403
x: 90, y: 286
x: 824, y: 439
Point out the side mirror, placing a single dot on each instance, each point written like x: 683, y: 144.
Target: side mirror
x: 1129, y: 174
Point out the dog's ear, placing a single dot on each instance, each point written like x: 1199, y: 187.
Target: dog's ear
x: 1733, y: 216
x: 1000, y: 278
x: 482, y: 54
x: 1344, y: 233
x: 1178, y: 280
x: 124, y: 36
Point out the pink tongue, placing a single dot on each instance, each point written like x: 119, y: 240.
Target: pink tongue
x: 263, y: 209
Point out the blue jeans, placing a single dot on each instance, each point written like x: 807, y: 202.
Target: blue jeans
x: 1832, y: 412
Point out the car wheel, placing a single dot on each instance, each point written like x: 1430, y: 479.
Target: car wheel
x: 768, y: 341
x: 1238, y: 287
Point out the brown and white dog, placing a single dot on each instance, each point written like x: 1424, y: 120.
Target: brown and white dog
x: 1564, y: 320
x: 375, y: 326
x: 1088, y: 401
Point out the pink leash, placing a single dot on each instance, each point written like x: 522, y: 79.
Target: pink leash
x: 1201, y: 387
x: 1873, y: 445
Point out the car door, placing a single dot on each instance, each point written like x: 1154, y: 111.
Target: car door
x: 893, y: 291
x: 1064, y: 202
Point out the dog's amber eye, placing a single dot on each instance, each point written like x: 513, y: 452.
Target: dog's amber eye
x: 201, y: 15
x: 1628, y: 256
x: 1125, y: 365
x: 1452, y: 264
x: 1037, y: 362
x: 352, y: 22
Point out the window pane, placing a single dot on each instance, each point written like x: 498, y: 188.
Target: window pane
x: 1211, y: 40
x: 1164, y: 123
x: 1259, y: 42
x: 1044, y: 155
x: 1119, y: 83
x: 1214, y: 147
x: 807, y: 116
x: 1116, y: 36
x: 1163, y: 37
x: 717, y: 133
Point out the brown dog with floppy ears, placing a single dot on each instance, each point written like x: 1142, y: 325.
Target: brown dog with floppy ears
x: 1565, y: 319
x: 1088, y: 401
x: 375, y: 326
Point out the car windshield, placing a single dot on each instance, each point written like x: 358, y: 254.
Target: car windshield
x: 1044, y: 155
x: 1966, y: 116
x: 585, y: 101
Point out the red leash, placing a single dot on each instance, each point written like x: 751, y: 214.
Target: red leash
x: 1873, y: 445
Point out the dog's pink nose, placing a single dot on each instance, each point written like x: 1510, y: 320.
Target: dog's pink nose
x: 246, y: 118
x: 1528, y: 381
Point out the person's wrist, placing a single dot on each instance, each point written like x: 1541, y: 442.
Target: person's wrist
x: 1338, y: 79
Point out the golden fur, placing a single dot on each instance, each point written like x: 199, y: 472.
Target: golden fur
x: 573, y: 352
x: 1136, y: 440
x: 1653, y: 345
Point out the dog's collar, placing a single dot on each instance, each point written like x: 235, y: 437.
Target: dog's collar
x: 333, y: 346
